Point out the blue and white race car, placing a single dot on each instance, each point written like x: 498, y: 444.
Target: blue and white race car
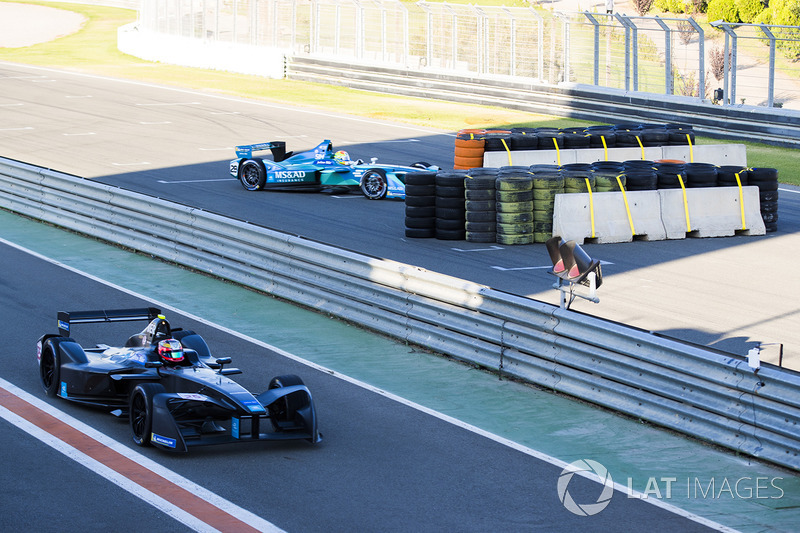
x: 320, y: 169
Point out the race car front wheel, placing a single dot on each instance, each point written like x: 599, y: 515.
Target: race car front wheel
x: 252, y: 175
x: 50, y: 367
x: 140, y: 411
x: 374, y: 184
x: 282, y: 411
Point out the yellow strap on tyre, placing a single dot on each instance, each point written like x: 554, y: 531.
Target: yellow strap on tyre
x: 691, y: 148
x: 641, y: 146
x: 627, y: 206
x: 591, y: 204
x: 508, y: 151
x: 558, y: 152
x: 741, y: 200
x: 685, y: 205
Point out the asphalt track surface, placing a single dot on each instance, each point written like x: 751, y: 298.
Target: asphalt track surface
x: 528, y: 505
x: 727, y: 293
x: 382, y: 465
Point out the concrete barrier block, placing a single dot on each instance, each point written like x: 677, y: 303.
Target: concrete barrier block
x: 712, y: 212
x: 718, y: 154
x: 658, y: 215
x: 572, y: 216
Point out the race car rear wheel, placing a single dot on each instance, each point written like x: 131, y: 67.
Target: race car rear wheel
x: 374, y: 184
x: 282, y: 411
x: 252, y: 175
x: 50, y: 367
x: 140, y: 411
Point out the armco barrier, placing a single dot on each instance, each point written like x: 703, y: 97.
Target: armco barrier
x: 700, y: 392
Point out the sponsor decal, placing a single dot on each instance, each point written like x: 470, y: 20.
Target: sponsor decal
x: 253, y: 406
x: 63, y: 392
x: 192, y: 396
x: 288, y: 176
x: 63, y: 325
x: 138, y: 357
x: 162, y: 440
x: 235, y: 428
x: 39, y: 352
x: 249, y: 402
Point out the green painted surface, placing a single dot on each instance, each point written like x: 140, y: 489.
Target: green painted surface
x: 715, y: 484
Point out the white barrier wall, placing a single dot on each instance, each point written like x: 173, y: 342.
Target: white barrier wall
x: 658, y: 215
x: 201, y: 53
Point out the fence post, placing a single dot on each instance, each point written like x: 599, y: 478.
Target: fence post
x: 669, y: 84
x: 771, y: 82
x: 596, y: 51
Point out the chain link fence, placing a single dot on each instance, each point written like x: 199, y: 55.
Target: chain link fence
x: 728, y: 64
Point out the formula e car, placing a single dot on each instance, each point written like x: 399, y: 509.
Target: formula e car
x: 319, y: 169
x: 174, y: 393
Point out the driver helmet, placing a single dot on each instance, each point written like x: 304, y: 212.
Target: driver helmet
x: 341, y: 157
x: 170, y: 351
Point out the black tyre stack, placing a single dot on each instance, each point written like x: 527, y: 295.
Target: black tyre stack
x: 667, y: 173
x: 640, y: 175
x: 524, y: 139
x: 514, y: 197
x: 450, y: 209
x: 766, y: 179
x: 654, y: 135
x: 608, y: 176
x: 576, y: 138
x: 481, y: 205
x: 599, y: 134
x: 547, y: 182
x: 421, y: 204
x: 726, y: 175
x: 680, y: 134
x: 700, y: 175
x: 627, y: 134
x: 549, y: 138
x: 578, y: 177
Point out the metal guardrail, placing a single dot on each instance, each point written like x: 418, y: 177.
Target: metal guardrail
x: 585, y: 102
x: 704, y: 393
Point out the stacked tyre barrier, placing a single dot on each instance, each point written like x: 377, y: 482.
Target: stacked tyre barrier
x: 514, y: 195
x: 450, y: 206
x: 420, y: 204
x: 469, y: 149
x: 480, y: 205
x: 514, y: 204
x: 471, y: 144
x: 766, y: 179
x: 609, y: 176
x: 548, y: 181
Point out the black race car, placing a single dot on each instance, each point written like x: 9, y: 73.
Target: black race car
x: 175, y: 394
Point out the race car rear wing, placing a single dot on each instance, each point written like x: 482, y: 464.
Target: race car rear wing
x: 66, y: 318
x: 278, y: 149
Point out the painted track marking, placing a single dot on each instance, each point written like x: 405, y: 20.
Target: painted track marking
x: 172, y: 494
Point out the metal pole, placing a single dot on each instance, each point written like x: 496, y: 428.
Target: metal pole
x: 596, y: 51
x: 771, y: 82
x: 701, y: 59
x: 669, y: 82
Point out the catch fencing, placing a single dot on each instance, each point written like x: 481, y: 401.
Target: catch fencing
x: 727, y: 64
x: 708, y: 394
